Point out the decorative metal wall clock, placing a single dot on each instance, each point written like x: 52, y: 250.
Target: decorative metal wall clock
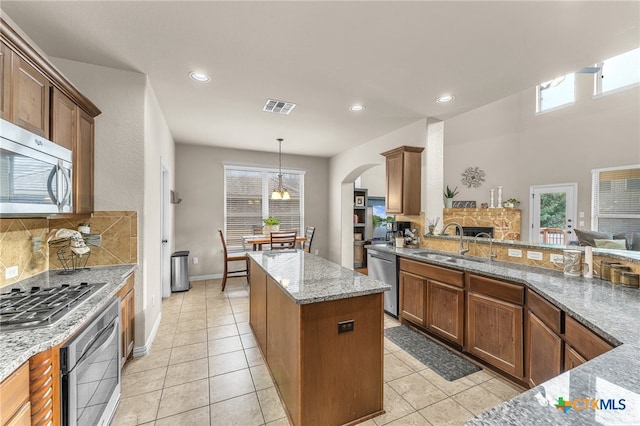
x: 473, y: 176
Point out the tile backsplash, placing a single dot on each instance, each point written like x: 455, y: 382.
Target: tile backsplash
x: 118, y: 231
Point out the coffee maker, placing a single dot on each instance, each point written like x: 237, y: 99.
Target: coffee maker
x: 396, y: 229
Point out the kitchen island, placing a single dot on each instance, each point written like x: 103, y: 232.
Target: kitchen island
x: 320, y: 329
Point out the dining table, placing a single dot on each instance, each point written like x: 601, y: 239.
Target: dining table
x: 258, y: 240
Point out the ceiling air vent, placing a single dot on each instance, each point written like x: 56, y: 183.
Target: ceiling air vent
x: 278, y: 107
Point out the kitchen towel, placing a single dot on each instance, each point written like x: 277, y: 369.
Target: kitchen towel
x: 446, y: 363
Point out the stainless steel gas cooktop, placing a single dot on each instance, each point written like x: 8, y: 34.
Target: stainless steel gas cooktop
x: 41, y: 307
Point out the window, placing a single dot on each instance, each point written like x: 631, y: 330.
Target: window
x: 619, y: 72
x: 246, y: 201
x: 616, y: 199
x: 555, y: 93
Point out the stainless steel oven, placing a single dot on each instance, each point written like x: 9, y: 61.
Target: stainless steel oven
x: 90, y: 370
x: 35, y: 173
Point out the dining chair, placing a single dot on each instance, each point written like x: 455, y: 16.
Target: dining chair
x: 309, y: 231
x: 240, y: 257
x: 283, y: 240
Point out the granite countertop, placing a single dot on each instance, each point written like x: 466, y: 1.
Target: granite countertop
x: 18, y: 346
x: 307, y: 278
x: 609, y: 310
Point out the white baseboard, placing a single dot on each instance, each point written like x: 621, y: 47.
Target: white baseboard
x: 139, y: 351
x: 205, y: 277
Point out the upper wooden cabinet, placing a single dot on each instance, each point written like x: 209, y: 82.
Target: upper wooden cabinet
x: 83, y: 163
x: 64, y: 114
x: 5, y: 81
x: 403, y: 179
x: 35, y: 96
x: 30, y: 98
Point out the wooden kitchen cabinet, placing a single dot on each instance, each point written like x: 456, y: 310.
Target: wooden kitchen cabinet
x: 127, y: 318
x: 64, y: 113
x: 30, y: 91
x: 543, y: 345
x: 413, y: 289
x: 494, y: 328
x: 5, y: 81
x: 403, y: 180
x: 571, y: 358
x: 585, y: 343
x: 15, y: 408
x: 257, y: 303
x: 83, y: 161
x: 44, y: 387
x: 433, y: 297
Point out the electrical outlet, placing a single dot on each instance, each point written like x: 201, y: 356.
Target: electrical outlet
x: 195, y: 260
x: 316, y: 252
x: 581, y: 215
x: 345, y: 326
x: 534, y: 255
x: 581, y: 223
x: 556, y: 258
x: 11, y: 272
x: 515, y: 253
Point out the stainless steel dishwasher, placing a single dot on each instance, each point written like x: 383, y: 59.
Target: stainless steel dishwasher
x: 383, y: 267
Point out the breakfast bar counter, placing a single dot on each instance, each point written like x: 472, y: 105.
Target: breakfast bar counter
x: 320, y: 329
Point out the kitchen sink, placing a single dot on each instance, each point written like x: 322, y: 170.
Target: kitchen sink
x: 434, y: 256
x: 461, y: 259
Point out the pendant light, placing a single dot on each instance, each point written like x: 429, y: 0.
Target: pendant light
x: 280, y: 193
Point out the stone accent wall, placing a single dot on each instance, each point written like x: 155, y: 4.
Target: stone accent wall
x: 505, y: 222
x: 119, y: 231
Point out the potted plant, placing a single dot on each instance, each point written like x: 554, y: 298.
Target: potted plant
x: 511, y: 203
x: 271, y: 224
x: 448, y: 196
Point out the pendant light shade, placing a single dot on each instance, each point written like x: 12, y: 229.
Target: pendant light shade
x: 280, y: 193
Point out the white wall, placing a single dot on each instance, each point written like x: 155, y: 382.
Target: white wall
x: 374, y: 181
x: 130, y: 137
x: 200, y: 181
x: 517, y: 148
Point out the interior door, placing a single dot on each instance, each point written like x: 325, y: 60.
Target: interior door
x: 553, y: 213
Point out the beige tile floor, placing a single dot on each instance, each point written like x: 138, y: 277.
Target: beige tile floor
x: 204, y: 369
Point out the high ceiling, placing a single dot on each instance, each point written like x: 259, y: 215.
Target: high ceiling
x: 394, y: 57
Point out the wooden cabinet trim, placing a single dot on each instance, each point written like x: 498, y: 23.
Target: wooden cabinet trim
x: 572, y: 358
x: 44, y: 387
x: 25, y: 51
x: 14, y: 393
x: 443, y: 275
x: 501, y: 290
x: 587, y: 343
x: 550, y: 315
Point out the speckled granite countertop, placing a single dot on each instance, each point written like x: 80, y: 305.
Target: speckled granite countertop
x: 307, y: 278
x: 19, y: 345
x: 610, y: 310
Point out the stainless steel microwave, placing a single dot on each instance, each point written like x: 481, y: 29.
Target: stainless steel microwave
x: 35, y: 174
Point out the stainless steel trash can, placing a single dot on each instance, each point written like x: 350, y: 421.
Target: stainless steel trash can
x: 180, y: 271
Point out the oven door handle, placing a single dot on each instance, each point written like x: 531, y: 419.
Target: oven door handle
x: 104, y: 338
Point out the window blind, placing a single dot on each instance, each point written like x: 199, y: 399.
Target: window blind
x: 247, y: 200
x: 616, y: 199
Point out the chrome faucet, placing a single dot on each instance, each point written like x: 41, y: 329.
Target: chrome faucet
x: 459, y: 228
x: 492, y: 255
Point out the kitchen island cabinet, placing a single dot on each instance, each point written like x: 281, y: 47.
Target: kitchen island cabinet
x: 15, y: 408
x: 320, y: 329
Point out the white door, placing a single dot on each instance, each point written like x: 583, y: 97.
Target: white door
x: 553, y: 213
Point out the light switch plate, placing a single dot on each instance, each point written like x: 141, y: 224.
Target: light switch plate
x: 534, y: 255
x: 556, y: 258
x: 515, y: 253
x: 11, y: 272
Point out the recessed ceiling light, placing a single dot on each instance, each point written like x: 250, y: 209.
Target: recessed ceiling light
x: 199, y: 77
x: 445, y: 99
x: 357, y: 108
